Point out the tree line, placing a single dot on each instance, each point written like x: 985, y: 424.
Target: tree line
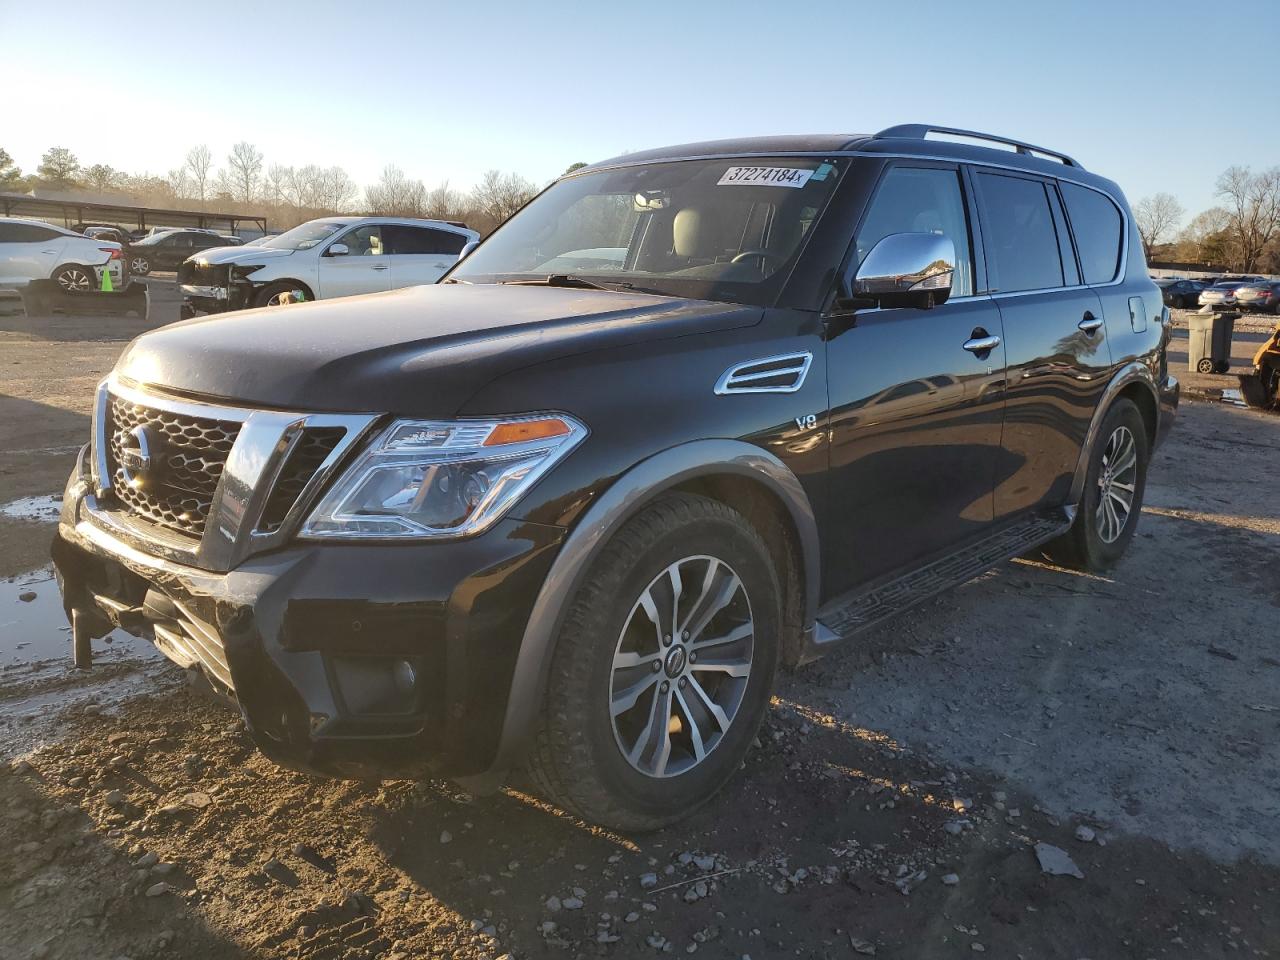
x: 287, y: 195
x: 1241, y: 232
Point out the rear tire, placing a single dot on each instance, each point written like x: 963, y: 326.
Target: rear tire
x: 1112, y: 498
x: 635, y: 732
x: 74, y: 278
x: 139, y: 266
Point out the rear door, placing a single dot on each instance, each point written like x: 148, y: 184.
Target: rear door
x: 420, y: 254
x: 29, y: 251
x: 915, y: 414
x: 1055, y: 338
x: 364, y: 268
x: 172, y: 250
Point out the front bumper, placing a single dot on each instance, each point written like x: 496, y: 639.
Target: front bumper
x: 1170, y: 392
x: 351, y: 660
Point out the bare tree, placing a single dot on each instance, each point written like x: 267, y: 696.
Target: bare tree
x: 396, y: 195
x: 338, y: 189
x: 244, y: 170
x: 198, y: 165
x: 276, y: 184
x: 1200, y: 240
x: 1156, y: 217
x: 179, y: 183
x: 1253, y: 211
x: 498, y: 195
x: 101, y: 177
x: 444, y: 203
x: 58, y: 167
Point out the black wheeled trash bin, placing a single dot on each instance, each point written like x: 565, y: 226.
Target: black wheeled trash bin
x: 1209, y: 341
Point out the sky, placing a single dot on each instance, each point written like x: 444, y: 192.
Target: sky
x: 446, y: 91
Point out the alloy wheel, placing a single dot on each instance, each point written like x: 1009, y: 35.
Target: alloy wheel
x: 1117, y: 484
x: 75, y: 280
x: 681, y: 666
x: 139, y: 265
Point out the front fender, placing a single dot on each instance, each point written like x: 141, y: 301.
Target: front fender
x: 624, y: 497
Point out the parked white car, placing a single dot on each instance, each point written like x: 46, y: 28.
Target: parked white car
x: 330, y: 257
x: 35, y: 250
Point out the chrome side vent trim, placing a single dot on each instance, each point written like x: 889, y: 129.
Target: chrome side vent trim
x: 781, y: 374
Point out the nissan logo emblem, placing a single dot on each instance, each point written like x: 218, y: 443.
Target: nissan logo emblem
x: 137, y: 456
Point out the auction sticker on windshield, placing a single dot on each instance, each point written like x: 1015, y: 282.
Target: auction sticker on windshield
x: 764, y: 177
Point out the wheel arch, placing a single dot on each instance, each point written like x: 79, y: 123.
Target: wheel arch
x: 750, y: 479
x: 1134, y: 382
x: 259, y: 286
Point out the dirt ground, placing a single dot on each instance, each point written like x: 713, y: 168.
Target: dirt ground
x: 891, y: 808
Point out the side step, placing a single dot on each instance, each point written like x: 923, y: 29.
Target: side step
x: 847, y: 616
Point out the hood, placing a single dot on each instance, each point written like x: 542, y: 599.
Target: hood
x: 420, y: 351
x: 240, y: 254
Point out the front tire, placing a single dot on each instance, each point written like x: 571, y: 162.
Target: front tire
x: 663, y: 669
x: 1113, y: 491
x: 73, y: 278
x: 269, y: 296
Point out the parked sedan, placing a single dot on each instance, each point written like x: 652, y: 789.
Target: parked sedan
x: 35, y: 250
x: 164, y: 251
x: 1259, y: 296
x: 1220, y: 296
x: 1181, y: 293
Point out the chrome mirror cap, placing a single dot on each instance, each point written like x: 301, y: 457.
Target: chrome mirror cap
x: 907, y: 267
x: 337, y: 250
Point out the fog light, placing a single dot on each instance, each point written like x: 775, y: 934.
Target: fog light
x: 405, y: 676
x: 371, y: 686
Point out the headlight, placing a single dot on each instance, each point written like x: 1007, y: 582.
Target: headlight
x: 431, y: 478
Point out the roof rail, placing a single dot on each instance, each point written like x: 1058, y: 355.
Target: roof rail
x: 919, y: 131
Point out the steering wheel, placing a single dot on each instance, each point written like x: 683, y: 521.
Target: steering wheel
x: 762, y: 254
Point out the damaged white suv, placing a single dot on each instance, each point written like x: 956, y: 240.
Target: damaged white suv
x: 329, y: 257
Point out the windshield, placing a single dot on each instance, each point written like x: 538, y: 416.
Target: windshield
x: 303, y: 237
x: 724, y: 229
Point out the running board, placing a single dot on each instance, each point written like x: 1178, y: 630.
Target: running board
x: 846, y: 616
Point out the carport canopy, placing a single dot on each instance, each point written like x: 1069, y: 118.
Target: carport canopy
x: 69, y: 212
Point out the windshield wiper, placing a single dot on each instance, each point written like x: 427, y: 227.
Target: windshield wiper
x: 566, y: 280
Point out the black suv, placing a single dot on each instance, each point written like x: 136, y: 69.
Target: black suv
x: 690, y: 414
x: 164, y: 251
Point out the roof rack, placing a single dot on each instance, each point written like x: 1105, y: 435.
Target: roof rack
x: 919, y: 131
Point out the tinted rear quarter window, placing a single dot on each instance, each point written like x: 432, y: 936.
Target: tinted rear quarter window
x: 1019, y: 235
x: 1096, y: 223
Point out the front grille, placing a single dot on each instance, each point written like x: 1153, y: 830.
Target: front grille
x: 187, y: 464
x: 311, y: 450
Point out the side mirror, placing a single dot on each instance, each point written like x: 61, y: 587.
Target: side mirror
x: 906, y: 270
x: 337, y: 250
x: 467, y: 248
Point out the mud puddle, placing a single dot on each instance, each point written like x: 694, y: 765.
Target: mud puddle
x: 34, y: 628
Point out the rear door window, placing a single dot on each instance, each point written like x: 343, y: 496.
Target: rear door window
x: 920, y: 200
x: 401, y: 239
x: 1018, y: 233
x: 1096, y: 223
x: 26, y: 233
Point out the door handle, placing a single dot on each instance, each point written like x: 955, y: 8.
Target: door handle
x: 379, y: 266
x: 1090, y: 324
x: 982, y: 344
